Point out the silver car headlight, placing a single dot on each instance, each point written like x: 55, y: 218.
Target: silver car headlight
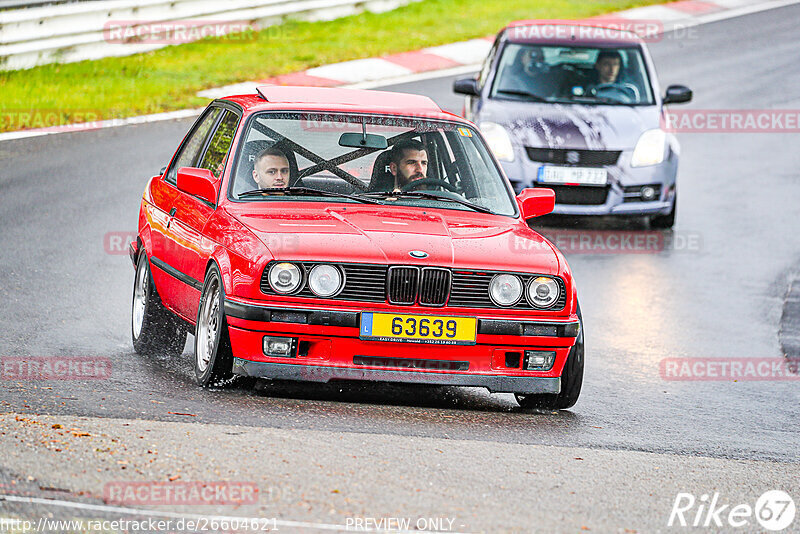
x: 542, y: 292
x: 325, y: 280
x: 505, y: 289
x: 650, y: 148
x: 498, y: 140
x: 285, y: 278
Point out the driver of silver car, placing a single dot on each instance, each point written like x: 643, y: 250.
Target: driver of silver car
x: 408, y: 163
x: 606, y: 68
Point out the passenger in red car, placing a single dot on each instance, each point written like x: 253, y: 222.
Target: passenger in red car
x: 409, y: 162
x: 271, y: 169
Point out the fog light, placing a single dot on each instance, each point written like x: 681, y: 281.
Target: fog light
x: 539, y: 360
x: 281, y: 347
x: 648, y: 193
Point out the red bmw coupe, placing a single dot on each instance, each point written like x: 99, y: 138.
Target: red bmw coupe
x: 329, y: 234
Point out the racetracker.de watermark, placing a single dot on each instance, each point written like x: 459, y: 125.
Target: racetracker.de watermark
x: 50, y: 119
x: 180, y: 493
x: 614, y: 241
x: 118, y: 243
x: 171, y: 32
x: 729, y: 369
x: 55, y: 368
x: 148, y: 525
x: 603, y: 28
x: 732, y: 121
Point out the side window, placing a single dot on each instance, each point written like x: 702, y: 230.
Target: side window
x: 193, y: 145
x: 214, y: 159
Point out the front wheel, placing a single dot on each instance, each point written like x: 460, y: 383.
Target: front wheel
x: 571, y: 381
x: 666, y: 221
x: 154, y: 329
x: 212, y: 346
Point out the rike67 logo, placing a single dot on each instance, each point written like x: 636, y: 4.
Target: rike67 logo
x: 774, y: 511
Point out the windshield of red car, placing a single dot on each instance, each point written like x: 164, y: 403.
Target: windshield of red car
x: 281, y: 150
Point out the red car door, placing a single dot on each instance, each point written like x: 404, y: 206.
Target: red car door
x: 191, y: 213
x: 171, y: 284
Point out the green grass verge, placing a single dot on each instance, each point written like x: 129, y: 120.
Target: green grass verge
x: 168, y: 79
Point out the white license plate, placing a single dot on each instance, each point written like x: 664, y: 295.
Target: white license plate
x: 572, y: 175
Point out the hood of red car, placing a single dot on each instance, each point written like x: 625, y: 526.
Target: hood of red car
x: 312, y: 231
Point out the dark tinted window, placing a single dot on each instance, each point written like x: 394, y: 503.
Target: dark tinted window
x: 214, y: 159
x: 191, y: 149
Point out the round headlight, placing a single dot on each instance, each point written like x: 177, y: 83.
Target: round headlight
x: 285, y: 278
x: 505, y: 289
x: 325, y: 280
x: 542, y: 292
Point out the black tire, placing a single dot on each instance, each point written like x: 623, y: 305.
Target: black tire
x: 667, y: 221
x: 571, y: 381
x: 213, y: 360
x: 159, y: 332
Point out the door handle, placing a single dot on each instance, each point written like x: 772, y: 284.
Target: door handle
x: 172, y: 213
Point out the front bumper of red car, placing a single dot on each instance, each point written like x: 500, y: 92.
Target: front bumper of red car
x: 327, y: 346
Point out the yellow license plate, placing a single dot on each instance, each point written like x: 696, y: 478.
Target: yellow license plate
x: 446, y: 330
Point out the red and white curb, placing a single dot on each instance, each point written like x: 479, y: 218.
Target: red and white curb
x: 376, y: 70
x: 434, y: 62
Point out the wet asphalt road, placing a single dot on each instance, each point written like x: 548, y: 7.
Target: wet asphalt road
x: 64, y: 291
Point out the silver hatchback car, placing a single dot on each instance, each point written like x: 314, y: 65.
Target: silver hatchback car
x: 578, y: 109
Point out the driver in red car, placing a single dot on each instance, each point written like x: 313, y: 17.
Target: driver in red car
x: 409, y: 162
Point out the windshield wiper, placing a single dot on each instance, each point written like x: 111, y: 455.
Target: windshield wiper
x: 310, y: 191
x: 526, y: 94
x: 427, y: 195
x: 587, y: 99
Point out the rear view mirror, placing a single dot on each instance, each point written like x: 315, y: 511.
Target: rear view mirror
x: 199, y: 182
x: 677, y: 94
x: 466, y: 86
x: 536, y: 202
x: 363, y: 140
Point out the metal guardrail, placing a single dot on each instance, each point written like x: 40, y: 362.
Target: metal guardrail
x: 19, y: 4
x: 75, y: 31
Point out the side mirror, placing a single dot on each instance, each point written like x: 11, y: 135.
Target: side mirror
x: 466, y: 86
x: 536, y: 202
x: 677, y: 94
x: 199, y: 182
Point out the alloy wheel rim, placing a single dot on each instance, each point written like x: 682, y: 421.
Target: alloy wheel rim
x: 208, y: 327
x: 139, y: 298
